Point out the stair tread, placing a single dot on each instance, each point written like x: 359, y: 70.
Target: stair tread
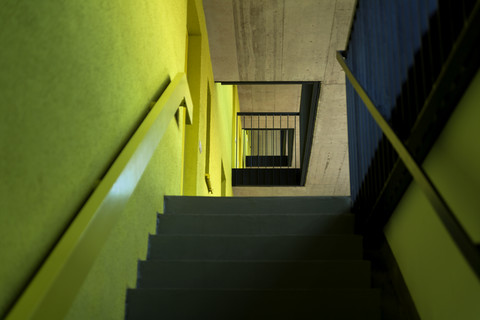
x: 336, y: 291
x: 254, y: 304
x: 260, y: 236
x: 327, y: 261
x: 254, y: 274
x: 180, y: 204
x: 255, y: 223
x: 255, y: 258
x: 266, y: 214
x: 268, y: 247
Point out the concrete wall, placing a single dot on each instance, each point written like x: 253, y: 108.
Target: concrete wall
x: 440, y: 281
x: 77, y: 79
x: 328, y: 172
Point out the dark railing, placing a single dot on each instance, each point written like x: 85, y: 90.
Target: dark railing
x: 269, y: 140
x: 273, y: 149
x: 404, y: 82
x: 267, y: 149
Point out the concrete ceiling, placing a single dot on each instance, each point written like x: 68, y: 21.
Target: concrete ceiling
x: 270, y: 40
x: 288, y: 40
x: 270, y: 98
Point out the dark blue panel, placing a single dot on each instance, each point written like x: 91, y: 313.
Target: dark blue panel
x: 384, y: 39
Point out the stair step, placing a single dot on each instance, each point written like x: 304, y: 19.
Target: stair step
x: 254, y: 274
x: 253, y: 304
x: 209, y: 205
x: 254, y: 258
x: 255, y: 247
x: 300, y: 224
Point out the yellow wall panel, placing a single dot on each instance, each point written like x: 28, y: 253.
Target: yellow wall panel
x: 440, y: 280
x: 77, y: 79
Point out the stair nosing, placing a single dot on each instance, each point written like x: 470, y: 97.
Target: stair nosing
x: 333, y: 235
x: 254, y: 260
x: 259, y: 290
x: 348, y: 214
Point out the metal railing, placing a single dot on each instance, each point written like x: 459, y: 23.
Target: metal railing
x: 268, y: 149
x: 273, y: 148
x: 267, y: 140
x: 404, y: 82
x: 55, y: 285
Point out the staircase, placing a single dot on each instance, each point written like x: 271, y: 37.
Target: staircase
x: 254, y: 258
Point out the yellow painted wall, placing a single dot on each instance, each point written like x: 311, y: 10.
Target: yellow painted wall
x: 440, y: 281
x: 77, y: 79
x: 200, y: 78
x: 235, y: 128
x: 103, y: 293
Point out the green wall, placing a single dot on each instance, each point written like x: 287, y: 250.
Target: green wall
x: 440, y: 281
x: 103, y: 293
x: 77, y: 79
x: 221, y: 100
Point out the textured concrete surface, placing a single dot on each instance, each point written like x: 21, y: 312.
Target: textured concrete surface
x: 271, y: 40
x: 220, y: 19
x: 288, y: 40
x: 269, y: 98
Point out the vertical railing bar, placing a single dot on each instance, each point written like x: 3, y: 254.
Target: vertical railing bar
x: 251, y: 138
x: 236, y: 142
x: 288, y: 137
x: 277, y: 140
x: 411, y: 79
x: 385, y: 78
x: 405, y: 92
x: 431, y: 59
x: 371, y: 129
x: 281, y: 145
x: 244, y: 157
x: 456, y: 231
x: 244, y: 139
x: 379, y: 74
x: 242, y: 120
x: 258, y: 140
x: 440, y: 49
x: 274, y: 137
x: 258, y: 149
x: 422, y: 70
x: 240, y: 159
x: 364, y: 116
x: 415, y: 68
x: 270, y: 138
x: 295, y: 140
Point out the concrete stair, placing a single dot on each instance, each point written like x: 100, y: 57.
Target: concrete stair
x: 254, y: 258
x: 259, y: 224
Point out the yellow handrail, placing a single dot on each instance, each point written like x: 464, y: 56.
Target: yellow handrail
x: 53, y: 289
